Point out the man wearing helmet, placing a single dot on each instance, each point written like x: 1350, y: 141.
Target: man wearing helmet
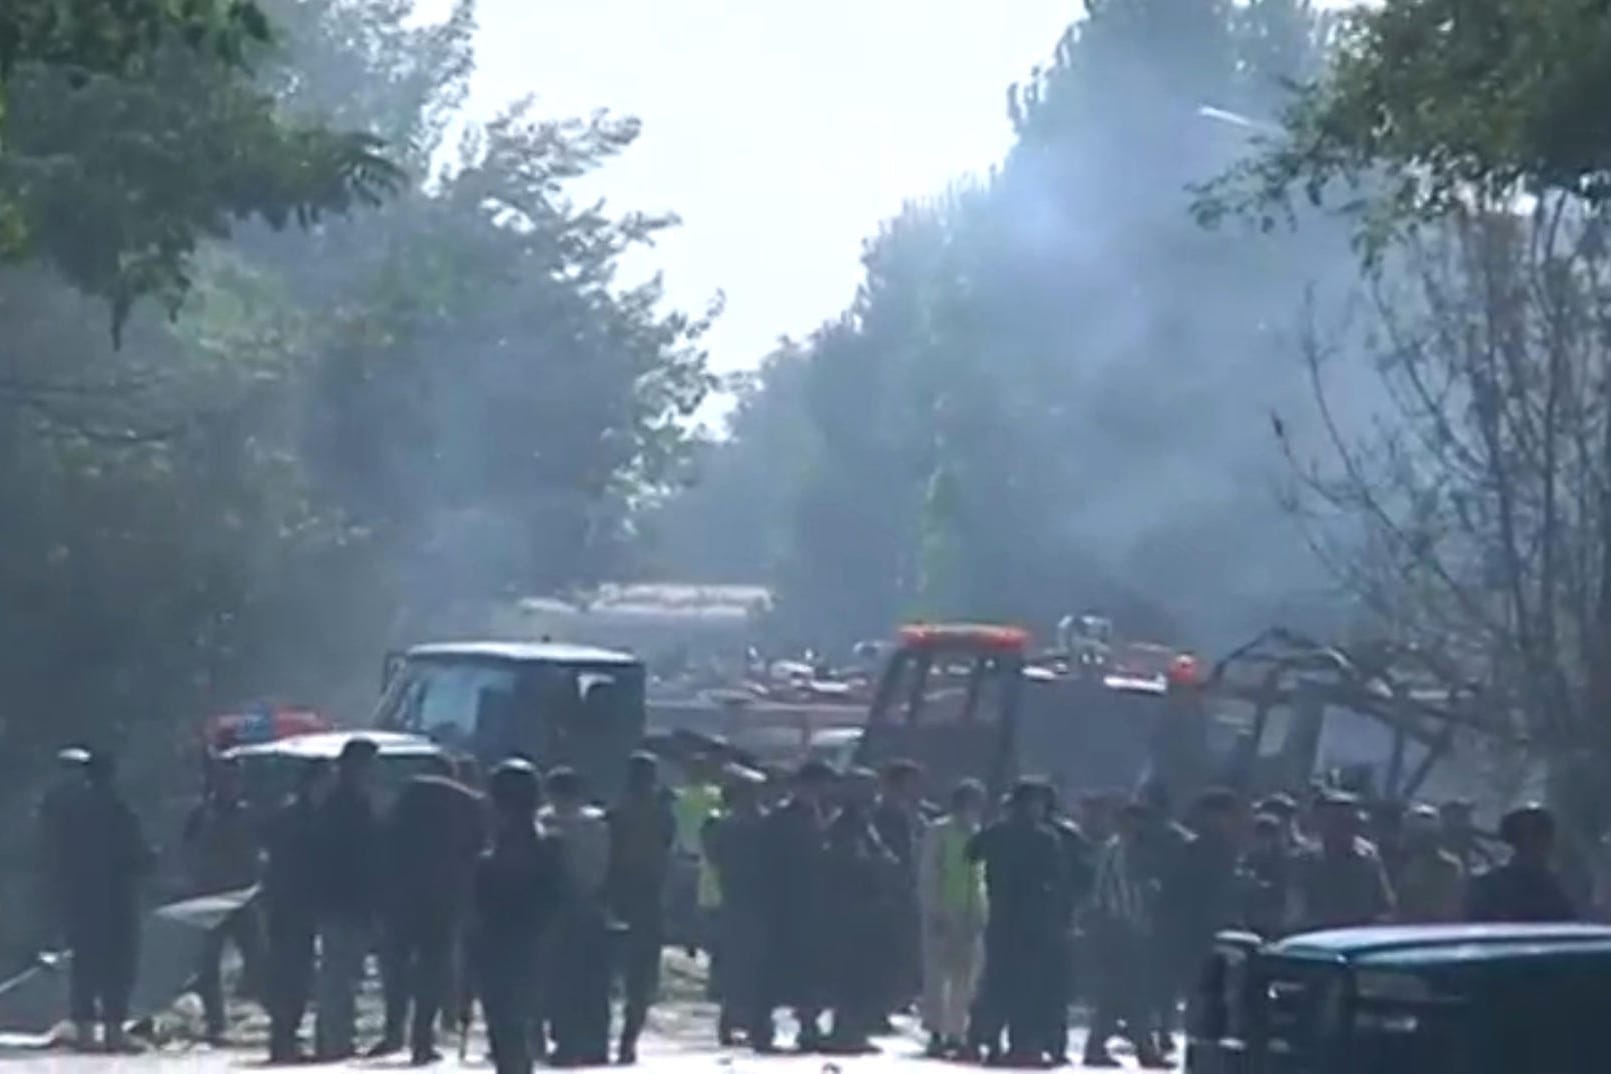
x: 518, y: 887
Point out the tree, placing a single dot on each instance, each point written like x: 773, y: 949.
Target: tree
x: 1474, y: 517
x: 493, y: 379
x: 130, y: 134
x: 1428, y: 106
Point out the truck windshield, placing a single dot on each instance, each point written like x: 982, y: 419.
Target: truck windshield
x: 443, y: 698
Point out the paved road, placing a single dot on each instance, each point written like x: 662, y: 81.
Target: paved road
x: 662, y: 1052
x: 680, y: 1041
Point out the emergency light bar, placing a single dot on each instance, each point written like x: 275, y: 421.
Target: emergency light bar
x: 965, y: 635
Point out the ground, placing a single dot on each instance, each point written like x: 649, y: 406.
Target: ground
x: 681, y: 1040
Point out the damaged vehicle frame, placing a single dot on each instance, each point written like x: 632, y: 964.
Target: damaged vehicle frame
x: 555, y: 703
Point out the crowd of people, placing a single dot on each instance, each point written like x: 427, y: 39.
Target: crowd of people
x: 841, y: 898
x: 846, y: 898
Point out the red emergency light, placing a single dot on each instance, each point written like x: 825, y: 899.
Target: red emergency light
x: 1185, y: 670
x: 964, y: 635
x: 261, y: 725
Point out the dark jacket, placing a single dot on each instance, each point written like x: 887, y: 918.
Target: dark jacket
x: 1024, y: 874
x: 518, y: 887
x: 1202, y: 896
x: 642, y: 833
x: 291, y: 878
x: 1518, y: 892
x: 434, y: 834
x: 104, y: 854
x: 348, y: 851
x: 734, y: 844
x: 794, y: 871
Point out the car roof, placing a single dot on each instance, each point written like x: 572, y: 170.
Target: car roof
x: 544, y: 652
x: 327, y: 746
x: 1427, y: 942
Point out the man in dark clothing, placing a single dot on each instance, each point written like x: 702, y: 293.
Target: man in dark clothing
x: 348, y: 847
x: 433, y: 835
x: 1202, y: 893
x: 797, y: 926
x: 899, y: 821
x: 72, y: 764
x: 102, y: 859
x: 1525, y: 888
x: 222, y: 848
x: 576, y: 984
x: 290, y: 896
x: 1024, y: 873
x: 517, y: 889
x: 1340, y: 881
x: 863, y: 884
x: 733, y: 847
x: 1159, y: 855
x: 643, y: 829
x: 1078, y: 875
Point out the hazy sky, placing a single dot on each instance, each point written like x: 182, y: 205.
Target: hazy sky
x: 781, y: 132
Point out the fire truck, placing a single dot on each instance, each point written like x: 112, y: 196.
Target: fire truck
x: 974, y: 700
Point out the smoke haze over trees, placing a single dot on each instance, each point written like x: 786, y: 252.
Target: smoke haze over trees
x: 1053, y: 390
x: 366, y: 369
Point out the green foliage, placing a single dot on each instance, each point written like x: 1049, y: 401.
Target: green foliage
x: 117, y: 159
x: 345, y: 430
x: 114, y: 38
x: 1432, y: 104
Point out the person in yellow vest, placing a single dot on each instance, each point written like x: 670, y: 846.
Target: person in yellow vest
x: 696, y: 803
x: 951, y: 897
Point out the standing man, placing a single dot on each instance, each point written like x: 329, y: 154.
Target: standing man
x: 576, y: 989
x: 72, y: 766
x: 518, y: 887
x: 1431, y: 881
x: 1023, y: 867
x: 103, y: 858
x: 348, y: 839
x: 797, y: 927
x: 951, y: 895
x: 1340, y: 880
x: 1079, y: 874
x: 643, y: 830
x: 734, y: 851
x: 1525, y: 888
x: 1202, y: 894
x: 899, y: 821
x: 434, y: 834
x: 291, y: 898
x: 1123, y: 921
x: 863, y: 883
x: 221, y: 848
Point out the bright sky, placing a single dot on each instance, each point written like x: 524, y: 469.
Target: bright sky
x: 781, y: 132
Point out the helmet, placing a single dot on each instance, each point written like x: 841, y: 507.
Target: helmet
x: 514, y: 787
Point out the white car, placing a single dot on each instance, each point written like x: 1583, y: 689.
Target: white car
x: 269, y: 769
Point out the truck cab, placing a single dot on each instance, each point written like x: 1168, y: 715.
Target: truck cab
x: 971, y: 700
x: 555, y: 703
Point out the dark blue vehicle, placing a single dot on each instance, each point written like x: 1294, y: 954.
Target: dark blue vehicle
x: 1443, y: 999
